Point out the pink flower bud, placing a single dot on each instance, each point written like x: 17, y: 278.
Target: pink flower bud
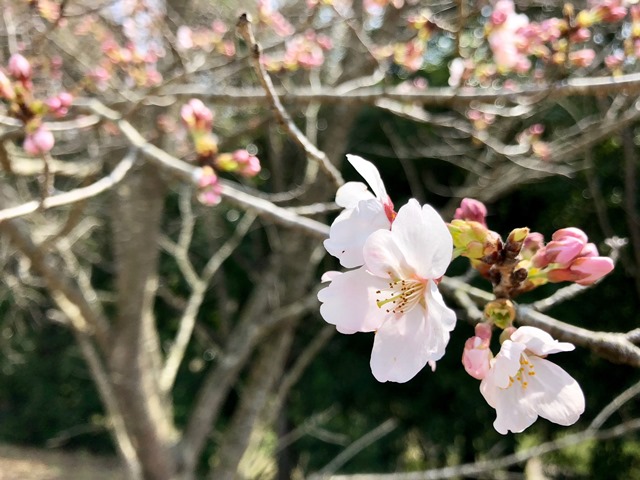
x: 19, y: 67
x: 581, y: 35
x: 582, y: 58
x: 471, y: 209
x: 591, y: 268
x: 533, y: 242
x: 248, y: 165
x: 196, y: 115
x: 38, y: 142
x: 210, y: 189
x: 477, y: 356
x: 584, y: 271
x: 66, y: 99
x: 59, y: 105
x: 563, y: 251
x: 570, y: 232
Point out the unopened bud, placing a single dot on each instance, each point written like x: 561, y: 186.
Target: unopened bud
x: 19, y: 67
x: 501, y: 312
x: 39, y: 141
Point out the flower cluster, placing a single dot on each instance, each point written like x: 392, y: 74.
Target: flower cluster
x: 16, y: 89
x: 392, y: 290
x: 395, y: 261
x: 304, y: 51
x: 206, y: 39
x: 519, y: 382
x: 568, y: 257
x: 199, y: 122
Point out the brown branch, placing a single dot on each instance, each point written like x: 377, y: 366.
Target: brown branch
x: 232, y: 192
x: 87, y: 319
x: 615, y: 347
x: 246, y: 32
x: 433, y: 96
x: 486, y: 466
x: 73, y: 196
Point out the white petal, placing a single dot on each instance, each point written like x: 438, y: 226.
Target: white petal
x: 438, y: 309
x: 383, y: 258
x: 540, y: 342
x: 349, y: 302
x: 560, y: 398
x: 507, y: 363
x: 513, y: 412
x: 402, y: 347
x: 423, y: 238
x: 329, y: 276
x: 350, y: 231
x: 349, y: 194
x: 370, y: 173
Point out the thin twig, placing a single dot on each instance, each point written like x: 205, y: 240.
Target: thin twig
x: 356, y: 447
x: 76, y: 195
x: 188, y: 320
x: 244, y: 29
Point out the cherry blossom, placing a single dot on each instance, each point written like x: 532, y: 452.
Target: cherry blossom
x: 364, y: 214
x: 522, y: 385
x: 395, y: 294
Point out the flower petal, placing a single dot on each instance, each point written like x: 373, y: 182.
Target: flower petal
x: 560, y: 398
x: 349, y: 302
x: 370, y: 173
x: 423, y: 238
x: 403, y: 345
x: 438, y: 310
x: 350, y: 231
x: 507, y: 363
x: 383, y: 258
x: 539, y: 342
x: 349, y: 194
x: 513, y: 413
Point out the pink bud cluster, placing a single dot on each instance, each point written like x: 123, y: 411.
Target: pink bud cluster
x: 273, y: 18
x: 206, y: 39
x: 59, y: 104
x: 532, y: 136
x: 240, y: 161
x: 210, y: 188
x: 569, y: 257
x: 139, y: 66
x: 302, y: 51
x: 198, y: 119
x: 16, y: 88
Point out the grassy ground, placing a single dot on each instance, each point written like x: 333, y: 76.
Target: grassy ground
x: 23, y: 463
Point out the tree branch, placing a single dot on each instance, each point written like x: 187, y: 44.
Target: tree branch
x: 246, y: 32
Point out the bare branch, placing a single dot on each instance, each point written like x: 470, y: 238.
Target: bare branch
x: 188, y: 320
x: 356, y: 447
x: 76, y: 195
x: 190, y: 173
x: 246, y: 32
x: 615, y: 347
x: 433, y: 96
x: 486, y: 466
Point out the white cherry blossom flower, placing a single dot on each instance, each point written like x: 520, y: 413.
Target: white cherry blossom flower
x: 395, y: 294
x: 364, y: 214
x: 522, y: 385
